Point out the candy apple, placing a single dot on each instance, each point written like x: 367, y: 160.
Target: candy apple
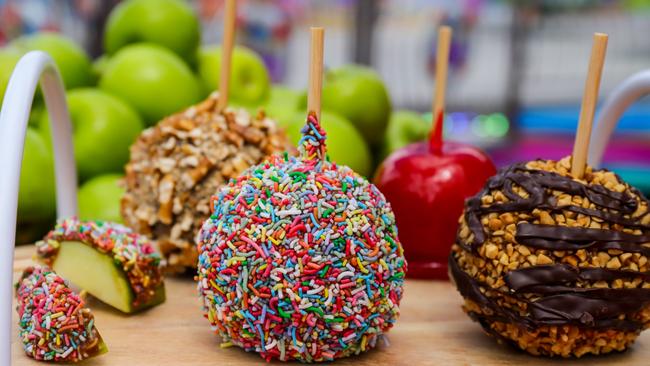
x: 427, y: 184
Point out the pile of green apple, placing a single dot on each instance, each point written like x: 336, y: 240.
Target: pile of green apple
x: 154, y: 66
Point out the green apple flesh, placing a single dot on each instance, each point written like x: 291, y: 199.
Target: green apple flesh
x: 72, y: 61
x: 8, y: 60
x: 36, y: 198
x: 169, y: 23
x: 358, y: 94
x: 104, y: 127
x: 97, y: 273
x: 249, y: 78
x: 404, y: 127
x: 152, y: 79
x: 99, y: 198
x: 345, y: 145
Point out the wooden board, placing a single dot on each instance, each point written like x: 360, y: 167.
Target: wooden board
x: 432, y: 330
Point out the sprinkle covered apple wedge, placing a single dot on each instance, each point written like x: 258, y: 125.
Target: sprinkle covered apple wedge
x: 112, y: 263
x: 54, y: 323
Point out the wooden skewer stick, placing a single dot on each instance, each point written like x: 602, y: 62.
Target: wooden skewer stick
x: 442, y: 67
x: 589, y: 99
x: 315, y: 71
x: 230, y: 15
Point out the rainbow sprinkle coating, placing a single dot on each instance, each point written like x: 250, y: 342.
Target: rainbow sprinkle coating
x: 300, y: 259
x: 54, y: 324
x: 132, y: 252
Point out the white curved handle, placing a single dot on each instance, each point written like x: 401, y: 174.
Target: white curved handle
x: 14, y: 116
x: 626, y: 93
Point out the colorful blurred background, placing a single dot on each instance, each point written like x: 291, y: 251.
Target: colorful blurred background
x: 516, y: 77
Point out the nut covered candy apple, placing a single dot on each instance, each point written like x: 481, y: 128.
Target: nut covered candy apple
x: 427, y: 184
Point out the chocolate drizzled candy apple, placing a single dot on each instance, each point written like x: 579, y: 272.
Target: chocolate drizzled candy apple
x: 427, y: 184
x: 53, y: 322
x: 552, y: 256
x: 300, y: 259
x: 177, y: 165
x: 110, y: 261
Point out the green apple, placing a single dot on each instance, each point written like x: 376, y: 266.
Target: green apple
x: 249, y: 78
x: 97, y: 273
x: 104, y: 127
x: 8, y: 60
x: 100, y: 64
x: 36, y: 196
x: 151, y: 79
x: 404, y: 127
x: 72, y: 60
x: 358, y: 94
x: 282, y: 104
x: 345, y: 145
x: 99, y: 198
x: 169, y: 23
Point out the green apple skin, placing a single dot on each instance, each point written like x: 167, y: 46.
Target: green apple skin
x: 100, y: 64
x: 8, y: 60
x: 97, y: 273
x: 104, y: 127
x: 36, y: 196
x: 345, y: 145
x: 249, y: 79
x: 283, y: 104
x: 151, y: 79
x: 358, y: 94
x: 169, y: 23
x: 72, y: 61
x: 404, y: 128
x: 99, y: 198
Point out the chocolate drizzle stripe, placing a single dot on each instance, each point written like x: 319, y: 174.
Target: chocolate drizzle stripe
x: 594, y: 309
x: 538, y: 184
x: 573, y: 238
x: 551, y: 278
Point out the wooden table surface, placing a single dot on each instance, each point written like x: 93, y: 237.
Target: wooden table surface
x: 432, y: 330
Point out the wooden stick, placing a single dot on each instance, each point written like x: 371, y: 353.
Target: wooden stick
x: 589, y: 99
x: 315, y: 71
x: 442, y: 67
x: 230, y: 15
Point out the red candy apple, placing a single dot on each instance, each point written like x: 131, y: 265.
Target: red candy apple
x: 427, y: 184
x: 427, y: 188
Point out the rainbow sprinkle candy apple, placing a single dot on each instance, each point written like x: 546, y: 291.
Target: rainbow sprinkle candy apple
x: 53, y: 322
x: 300, y: 259
x: 427, y: 184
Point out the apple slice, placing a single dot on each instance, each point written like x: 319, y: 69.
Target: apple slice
x: 108, y: 260
x: 54, y: 323
x: 97, y: 273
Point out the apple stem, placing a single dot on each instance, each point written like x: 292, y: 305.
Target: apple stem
x: 442, y: 67
x: 589, y: 99
x: 315, y: 72
x: 230, y: 14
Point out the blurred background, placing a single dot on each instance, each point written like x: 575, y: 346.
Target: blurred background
x: 516, y: 75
